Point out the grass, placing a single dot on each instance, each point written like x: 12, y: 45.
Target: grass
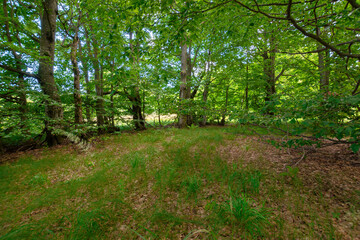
x: 167, y: 184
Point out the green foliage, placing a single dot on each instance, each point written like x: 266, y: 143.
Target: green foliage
x: 192, y: 185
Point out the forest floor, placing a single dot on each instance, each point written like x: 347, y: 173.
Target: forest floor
x: 197, y: 183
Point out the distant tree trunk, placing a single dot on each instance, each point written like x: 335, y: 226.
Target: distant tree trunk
x: 206, y: 89
x: 137, y: 113
x: 112, y: 106
x: 324, y: 71
x: 269, y: 73
x: 134, y: 95
x: 184, y: 88
x: 99, y: 106
x: 53, y: 108
x: 99, y: 101
x: 143, y: 104
x: 159, y: 111
x: 323, y: 66
x: 222, y: 122
x: 247, y: 88
x: 191, y: 95
x: 204, y: 99
x: 77, y: 95
x: 99, y: 88
x: 86, y: 76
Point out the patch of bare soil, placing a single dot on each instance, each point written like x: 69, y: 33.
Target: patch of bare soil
x: 252, y: 150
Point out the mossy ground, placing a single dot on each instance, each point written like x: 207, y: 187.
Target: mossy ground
x: 206, y: 183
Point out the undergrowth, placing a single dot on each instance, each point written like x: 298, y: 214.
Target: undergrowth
x: 158, y: 184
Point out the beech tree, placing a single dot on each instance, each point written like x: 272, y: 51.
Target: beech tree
x: 202, y: 61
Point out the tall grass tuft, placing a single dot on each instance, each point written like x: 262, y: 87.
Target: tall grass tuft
x: 251, y: 220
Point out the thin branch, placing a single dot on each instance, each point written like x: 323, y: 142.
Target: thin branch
x: 258, y: 11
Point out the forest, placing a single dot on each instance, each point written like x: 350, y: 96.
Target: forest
x: 179, y: 119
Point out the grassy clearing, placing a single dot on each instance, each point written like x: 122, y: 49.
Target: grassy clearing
x: 208, y: 183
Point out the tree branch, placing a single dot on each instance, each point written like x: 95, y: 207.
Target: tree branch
x: 315, y: 37
x: 11, y: 69
x: 280, y: 74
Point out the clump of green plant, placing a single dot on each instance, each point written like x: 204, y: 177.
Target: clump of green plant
x: 192, y: 185
x: 137, y: 161
x: 252, y: 221
x: 193, y: 126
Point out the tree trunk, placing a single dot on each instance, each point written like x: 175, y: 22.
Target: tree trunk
x: 184, y: 88
x: 53, y: 108
x: 323, y: 66
x: 159, y: 111
x: 138, y: 118
x: 269, y: 72
x: 143, y: 104
x: 247, y: 88
x: 77, y: 95
x: 324, y: 71
x: 86, y: 76
x: 222, y: 122
x: 204, y: 99
x: 99, y: 106
x: 134, y: 96
x: 190, y: 117
x: 99, y: 93
x: 206, y: 89
x: 112, y: 106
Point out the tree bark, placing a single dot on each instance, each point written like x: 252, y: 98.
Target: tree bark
x: 99, y: 106
x: 222, y: 122
x: 184, y: 88
x: 159, y: 111
x: 204, y: 99
x: 88, y: 91
x: 53, y: 108
x: 206, y: 89
x: 323, y: 66
x: 269, y: 73
x: 112, y: 118
x: 324, y: 71
x: 247, y: 88
x: 77, y: 95
x: 134, y: 96
x: 137, y: 113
